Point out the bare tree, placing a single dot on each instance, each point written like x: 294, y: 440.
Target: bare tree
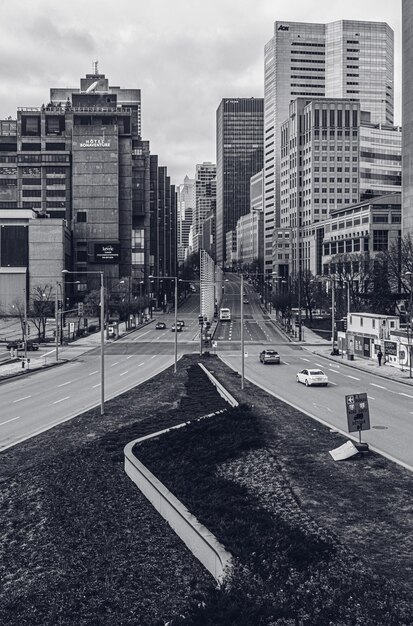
x: 42, y: 307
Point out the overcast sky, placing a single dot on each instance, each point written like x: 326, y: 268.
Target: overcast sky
x: 185, y: 56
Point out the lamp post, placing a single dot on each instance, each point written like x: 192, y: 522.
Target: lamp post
x: 174, y: 278
x: 409, y: 275
x: 102, y: 337
x: 25, y: 323
x: 333, y: 306
x: 242, y: 330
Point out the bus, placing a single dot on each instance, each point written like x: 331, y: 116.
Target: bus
x: 225, y: 315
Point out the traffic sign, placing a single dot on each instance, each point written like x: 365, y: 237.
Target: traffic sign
x: 358, y: 416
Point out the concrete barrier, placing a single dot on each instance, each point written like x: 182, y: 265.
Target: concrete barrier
x: 220, y: 388
x: 202, y: 543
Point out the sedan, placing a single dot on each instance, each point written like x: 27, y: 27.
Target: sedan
x: 19, y: 345
x: 269, y: 356
x: 312, y: 377
x: 246, y: 301
x: 181, y: 322
x: 178, y: 328
x: 160, y: 325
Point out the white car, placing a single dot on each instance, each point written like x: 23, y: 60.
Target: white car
x: 312, y: 377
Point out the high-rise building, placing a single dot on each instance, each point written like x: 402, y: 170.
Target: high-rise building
x: 345, y: 59
x: 407, y: 116
x: 331, y: 157
x: 205, y: 199
x: 186, y: 203
x: 240, y: 135
x: 81, y: 159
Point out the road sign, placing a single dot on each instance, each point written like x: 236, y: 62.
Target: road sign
x: 71, y: 327
x: 358, y: 416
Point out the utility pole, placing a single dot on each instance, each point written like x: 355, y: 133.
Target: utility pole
x: 56, y: 314
x: 242, y: 330
x: 333, y: 306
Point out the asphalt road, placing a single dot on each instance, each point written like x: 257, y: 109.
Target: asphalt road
x: 390, y: 402
x: 35, y: 403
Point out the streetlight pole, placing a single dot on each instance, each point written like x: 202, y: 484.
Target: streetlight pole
x: 56, y: 314
x: 175, y: 278
x: 409, y: 322
x: 242, y: 330
x: 102, y: 337
x: 25, y: 324
x: 333, y: 306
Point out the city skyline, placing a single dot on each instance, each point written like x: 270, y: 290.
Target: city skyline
x: 160, y: 49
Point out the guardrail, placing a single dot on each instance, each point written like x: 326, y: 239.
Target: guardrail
x: 220, y: 388
x: 202, y: 543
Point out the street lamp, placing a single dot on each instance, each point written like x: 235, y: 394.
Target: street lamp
x: 102, y: 338
x: 409, y: 275
x: 174, y: 278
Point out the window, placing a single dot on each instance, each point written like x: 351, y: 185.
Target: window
x: 361, y: 321
x: 81, y: 216
x: 380, y: 240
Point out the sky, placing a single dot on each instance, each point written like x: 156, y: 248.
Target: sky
x: 184, y: 55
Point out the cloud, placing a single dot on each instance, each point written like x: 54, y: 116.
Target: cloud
x: 184, y: 55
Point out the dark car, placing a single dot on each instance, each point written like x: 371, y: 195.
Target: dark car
x: 19, y: 345
x: 181, y: 322
x: 160, y: 325
x: 178, y: 328
x: 269, y: 356
x: 246, y: 301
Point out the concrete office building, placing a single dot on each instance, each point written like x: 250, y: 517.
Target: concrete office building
x: 331, y: 156
x: 344, y: 59
x: 250, y: 235
x: 240, y: 132
x: 208, y: 234
x: 185, y: 209
x: 407, y: 115
x: 205, y: 199
x: 81, y: 158
x: 231, y: 249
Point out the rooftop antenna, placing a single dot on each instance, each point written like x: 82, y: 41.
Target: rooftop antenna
x: 95, y: 67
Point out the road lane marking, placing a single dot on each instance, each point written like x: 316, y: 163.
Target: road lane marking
x: 123, y: 373
x: 353, y: 377
x: 379, y: 386
x: 371, y: 398
x: 20, y: 399
x: 61, y: 400
x: 140, y: 364
x: 405, y: 394
x: 154, y: 356
x: 10, y: 420
x: 285, y: 362
x: 318, y: 365
x: 94, y: 386
x: 63, y: 384
x: 331, y: 383
x: 113, y: 364
x: 141, y: 335
x: 303, y: 359
x: 91, y: 373
x: 129, y: 357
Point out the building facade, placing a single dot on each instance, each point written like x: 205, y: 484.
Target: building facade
x: 186, y: 202
x: 407, y: 115
x: 344, y: 59
x: 240, y: 132
x: 205, y: 200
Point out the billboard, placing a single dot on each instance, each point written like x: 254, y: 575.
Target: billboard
x: 107, y: 253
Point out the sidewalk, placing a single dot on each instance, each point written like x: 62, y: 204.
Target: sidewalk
x: 317, y: 345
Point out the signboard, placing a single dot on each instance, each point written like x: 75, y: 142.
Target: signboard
x: 358, y: 416
x: 96, y: 142
x: 71, y: 327
x: 390, y: 348
x: 107, y: 253
x: 358, y: 345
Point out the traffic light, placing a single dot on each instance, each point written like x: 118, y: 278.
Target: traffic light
x: 59, y: 305
x: 344, y: 323
x: 201, y: 320
x: 64, y: 321
x: 80, y: 309
x: 28, y: 329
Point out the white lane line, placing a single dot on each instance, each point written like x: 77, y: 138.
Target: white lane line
x: 379, y: 386
x: 303, y: 359
x: 154, y: 356
x: 63, y: 384
x: 331, y: 383
x: 405, y: 394
x: 130, y: 357
x: 113, y: 364
x: 285, y: 362
x: 318, y: 365
x: 94, y: 386
x: 123, y: 373
x: 353, y: 377
x: 20, y: 399
x: 10, y: 420
x: 140, y: 364
x: 371, y: 398
x: 141, y: 335
x: 61, y: 400
x: 91, y: 373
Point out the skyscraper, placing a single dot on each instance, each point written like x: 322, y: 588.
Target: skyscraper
x: 345, y: 59
x: 407, y: 117
x: 240, y: 135
x: 205, y: 199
